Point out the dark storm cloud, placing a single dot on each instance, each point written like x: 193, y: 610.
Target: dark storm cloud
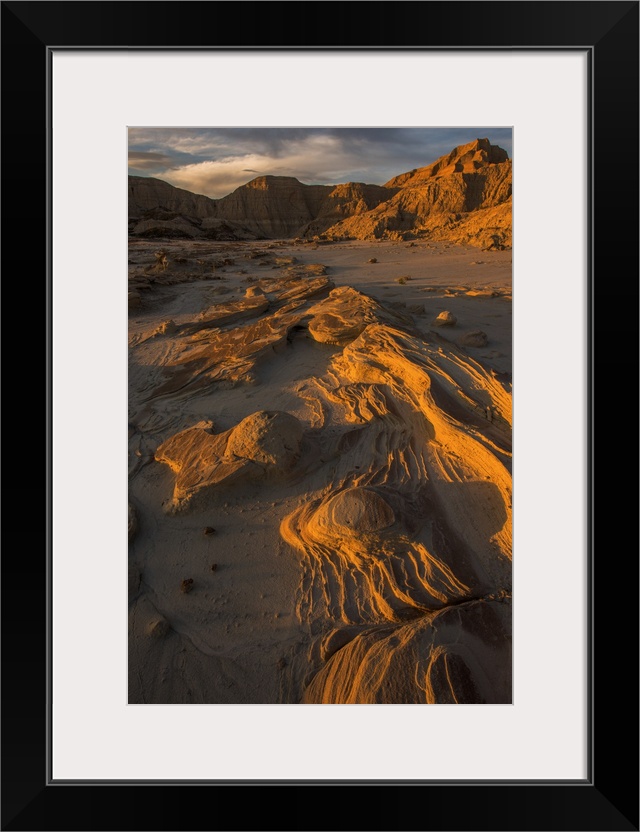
x: 215, y: 161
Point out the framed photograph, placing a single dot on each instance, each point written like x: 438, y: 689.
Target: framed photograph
x: 106, y: 729
x: 337, y: 528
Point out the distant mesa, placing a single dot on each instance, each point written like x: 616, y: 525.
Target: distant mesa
x: 464, y: 197
x: 467, y: 158
x: 157, y: 199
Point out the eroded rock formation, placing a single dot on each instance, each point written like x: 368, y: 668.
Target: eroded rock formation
x: 402, y: 526
x: 464, y: 196
x: 153, y: 196
x: 265, y: 444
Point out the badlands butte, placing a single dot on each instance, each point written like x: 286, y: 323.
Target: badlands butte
x: 320, y: 439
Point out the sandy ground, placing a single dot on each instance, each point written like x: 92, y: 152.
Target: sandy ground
x: 240, y: 635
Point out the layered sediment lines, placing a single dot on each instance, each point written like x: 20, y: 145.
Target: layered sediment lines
x: 401, y: 467
x: 442, y: 207
x: 464, y: 197
x: 148, y: 195
x: 460, y: 655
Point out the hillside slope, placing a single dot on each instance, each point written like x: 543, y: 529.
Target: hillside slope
x: 464, y: 197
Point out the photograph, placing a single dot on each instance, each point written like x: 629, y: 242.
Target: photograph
x: 319, y: 406
x: 349, y: 308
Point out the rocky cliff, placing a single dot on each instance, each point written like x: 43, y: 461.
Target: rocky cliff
x: 273, y: 206
x: 149, y: 196
x: 464, y: 197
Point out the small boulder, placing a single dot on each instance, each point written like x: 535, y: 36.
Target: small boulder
x: 445, y: 318
x: 167, y: 328
x: 158, y: 627
x: 268, y: 438
x: 476, y: 338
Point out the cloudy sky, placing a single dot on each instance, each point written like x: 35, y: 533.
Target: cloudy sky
x: 216, y: 161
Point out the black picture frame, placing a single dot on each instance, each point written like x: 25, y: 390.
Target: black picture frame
x: 608, y: 798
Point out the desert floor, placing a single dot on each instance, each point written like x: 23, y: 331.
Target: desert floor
x: 261, y: 618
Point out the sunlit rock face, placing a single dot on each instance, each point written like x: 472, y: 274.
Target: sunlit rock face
x: 407, y: 554
x: 267, y: 443
x: 465, y: 196
x: 269, y: 438
x: 461, y: 655
x: 345, y: 314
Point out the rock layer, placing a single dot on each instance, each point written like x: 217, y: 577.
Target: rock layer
x: 153, y: 196
x: 267, y: 443
x: 461, y: 655
x: 464, y: 196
